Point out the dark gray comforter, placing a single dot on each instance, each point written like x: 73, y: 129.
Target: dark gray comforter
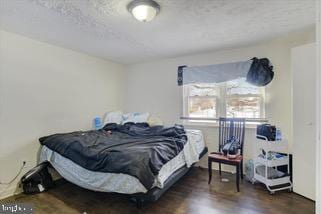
x: 134, y: 149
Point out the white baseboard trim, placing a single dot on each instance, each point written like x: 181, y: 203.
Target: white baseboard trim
x: 10, y: 192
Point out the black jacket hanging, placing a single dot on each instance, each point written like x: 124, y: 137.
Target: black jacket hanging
x: 261, y: 72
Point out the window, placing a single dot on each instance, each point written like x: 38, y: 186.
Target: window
x: 202, y: 100
x: 235, y: 98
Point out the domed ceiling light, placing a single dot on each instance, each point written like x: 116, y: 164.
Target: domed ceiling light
x: 143, y: 10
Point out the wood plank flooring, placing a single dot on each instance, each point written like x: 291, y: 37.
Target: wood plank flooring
x: 191, y: 194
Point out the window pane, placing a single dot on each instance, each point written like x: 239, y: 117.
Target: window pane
x: 248, y: 107
x: 204, y: 107
x: 240, y: 86
x: 203, y: 89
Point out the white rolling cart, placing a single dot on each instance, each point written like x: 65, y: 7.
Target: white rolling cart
x: 277, y: 183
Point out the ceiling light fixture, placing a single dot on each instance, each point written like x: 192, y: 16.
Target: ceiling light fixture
x: 144, y: 10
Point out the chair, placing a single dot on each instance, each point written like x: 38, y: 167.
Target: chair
x: 229, y: 127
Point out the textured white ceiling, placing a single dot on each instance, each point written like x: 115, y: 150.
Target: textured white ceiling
x: 104, y: 28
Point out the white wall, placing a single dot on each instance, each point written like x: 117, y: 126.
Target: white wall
x: 152, y: 86
x: 46, y: 89
x: 304, y: 119
x: 318, y: 112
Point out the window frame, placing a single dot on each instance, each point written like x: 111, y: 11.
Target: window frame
x: 221, y: 103
x: 205, y: 97
x: 262, y: 101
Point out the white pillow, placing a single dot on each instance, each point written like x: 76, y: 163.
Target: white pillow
x: 135, y: 117
x: 113, y: 117
x: 154, y: 121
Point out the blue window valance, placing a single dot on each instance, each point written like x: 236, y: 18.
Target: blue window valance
x: 257, y: 71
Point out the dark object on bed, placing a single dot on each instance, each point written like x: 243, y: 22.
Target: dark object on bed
x: 155, y: 193
x: 266, y: 130
x: 134, y: 149
x: 36, y: 180
x: 260, y: 73
x: 229, y: 128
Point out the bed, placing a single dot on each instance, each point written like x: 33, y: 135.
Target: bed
x: 119, y: 182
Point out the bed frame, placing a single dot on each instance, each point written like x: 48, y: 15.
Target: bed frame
x: 155, y: 193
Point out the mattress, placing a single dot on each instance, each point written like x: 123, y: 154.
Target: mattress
x: 123, y: 183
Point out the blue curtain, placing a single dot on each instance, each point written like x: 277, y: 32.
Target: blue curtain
x: 213, y: 73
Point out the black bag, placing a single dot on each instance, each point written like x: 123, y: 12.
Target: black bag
x: 38, y: 179
x: 260, y: 73
x: 231, y: 147
x: 266, y: 130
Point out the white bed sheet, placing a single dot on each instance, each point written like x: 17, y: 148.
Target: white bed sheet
x: 123, y: 183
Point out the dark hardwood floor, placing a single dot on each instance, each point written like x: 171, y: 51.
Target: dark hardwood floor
x: 191, y: 194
